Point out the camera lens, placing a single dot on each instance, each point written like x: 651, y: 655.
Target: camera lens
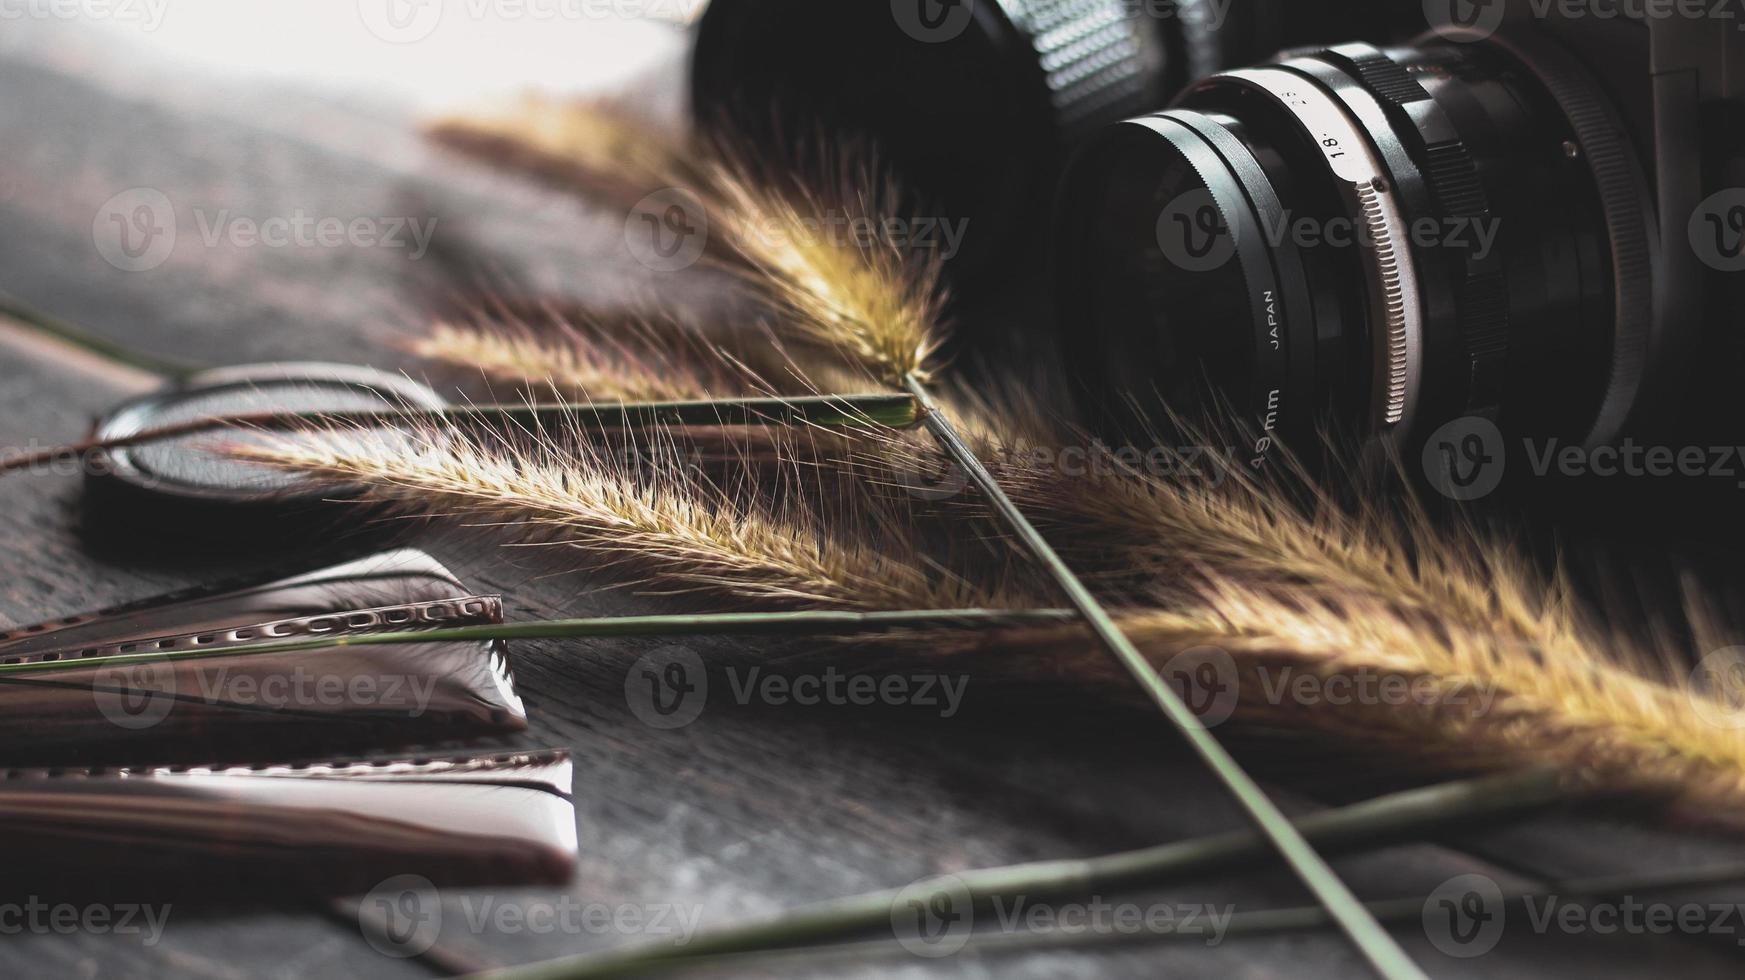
x: 1373, y: 239
x: 973, y: 103
x: 969, y: 102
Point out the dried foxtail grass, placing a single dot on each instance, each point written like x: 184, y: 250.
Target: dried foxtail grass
x: 1473, y: 657
x: 875, y: 303
x: 566, y: 364
x: 1280, y: 530
x: 600, y: 148
x: 630, y: 355
x: 669, y: 529
x: 872, y: 301
x: 1159, y: 525
x: 1432, y: 695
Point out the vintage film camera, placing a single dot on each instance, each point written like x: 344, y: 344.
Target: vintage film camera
x: 1528, y: 223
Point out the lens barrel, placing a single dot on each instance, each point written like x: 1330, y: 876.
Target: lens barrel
x: 974, y: 104
x: 970, y: 103
x: 1380, y: 239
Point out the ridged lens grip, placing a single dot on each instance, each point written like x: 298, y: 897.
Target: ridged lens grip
x: 1100, y: 60
x: 972, y: 104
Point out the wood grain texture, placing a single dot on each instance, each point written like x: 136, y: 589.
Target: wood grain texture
x: 750, y: 809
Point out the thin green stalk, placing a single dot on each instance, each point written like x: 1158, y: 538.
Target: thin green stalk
x: 1303, y: 918
x: 828, y: 411
x: 1240, y: 925
x: 1387, y: 819
x: 804, y: 622
x: 1385, y: 955
x: 75, y: 336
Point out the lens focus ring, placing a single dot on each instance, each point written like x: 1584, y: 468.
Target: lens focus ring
x: 1481, y: 297
x: 1099, y: 58
x: 1392, y: 268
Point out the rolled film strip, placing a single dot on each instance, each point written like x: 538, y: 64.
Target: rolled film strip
x: 401, y: 575
x: 432, y: 613
x: 501, y: 817
x: 211, y: 692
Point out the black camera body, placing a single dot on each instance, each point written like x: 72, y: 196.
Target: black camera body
x: 1682, y: 97
x: 1528, y: 223
x: 1672, y: 74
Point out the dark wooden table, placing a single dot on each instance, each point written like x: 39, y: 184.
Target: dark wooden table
x: 749, y: 810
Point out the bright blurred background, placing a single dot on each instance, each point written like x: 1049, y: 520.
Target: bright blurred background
x: 245, y: 111
x: 421, y: 53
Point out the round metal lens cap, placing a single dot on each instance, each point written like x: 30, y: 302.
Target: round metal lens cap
x: 189, y: 484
